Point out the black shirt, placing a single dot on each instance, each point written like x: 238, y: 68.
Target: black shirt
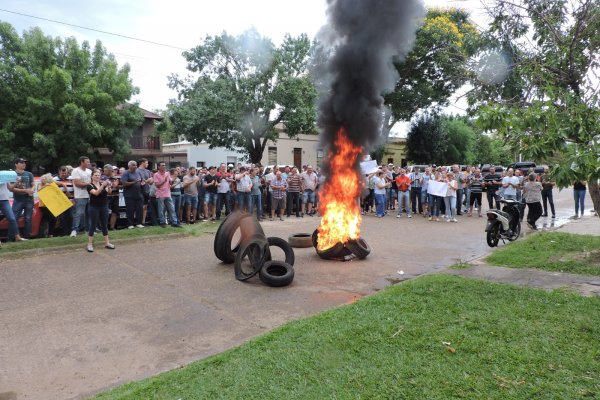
x: 488, y: 182
x: 208, y: 179
x: 100, y: 200
x: 579, y: 185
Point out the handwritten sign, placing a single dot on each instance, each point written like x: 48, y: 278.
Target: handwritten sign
x: 437, y: 188
x: 54, y: 199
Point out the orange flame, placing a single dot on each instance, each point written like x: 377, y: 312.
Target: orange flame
x: 338, y: 198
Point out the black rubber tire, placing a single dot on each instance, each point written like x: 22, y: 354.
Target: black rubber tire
x: 359, y: 248
x: 493, y: 235
x: 314, y: 237
x: 290, y: 258
x: 257, y: 251
x: 231, y: 221
x: 276, y: 273
x: 300, y: 240
x: 248, y: 225
x: 516, y: 233
x: 335, y: 252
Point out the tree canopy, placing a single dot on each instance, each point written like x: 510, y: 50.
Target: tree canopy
x: 59, y: 99
x: 436, y: 66
x: 549, y: 103
x: 243, y: 87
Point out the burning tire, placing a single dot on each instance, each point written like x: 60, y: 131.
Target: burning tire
x: 290, y: 258
x: 276, y: 273
x: 300, y: 240
x: 359, y: 248
x: 248, y: 226
x: 257, y: 251
x: 314, y: 237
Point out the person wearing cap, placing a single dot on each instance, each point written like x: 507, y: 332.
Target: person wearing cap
x: 23, y: 190
x: 13, y: 228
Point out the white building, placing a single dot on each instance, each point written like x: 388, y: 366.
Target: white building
x: 302, y: 150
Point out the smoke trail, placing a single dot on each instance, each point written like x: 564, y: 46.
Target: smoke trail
x: 366, y: 35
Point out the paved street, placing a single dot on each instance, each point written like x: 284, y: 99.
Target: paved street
x: 74, y: 324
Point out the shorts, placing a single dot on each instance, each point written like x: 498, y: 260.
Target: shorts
x: 277, y: 203
x: 146, y: 198
x: 191, y: 199
x: 210, y: 198
x: 308, y: 196
x: 113, y: 204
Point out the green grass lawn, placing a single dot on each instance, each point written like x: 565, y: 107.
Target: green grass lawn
x: 552, y: 251
x: 117, y: 236
x: 435, y: 337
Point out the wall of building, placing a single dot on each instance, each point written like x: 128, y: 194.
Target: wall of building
x: 395, y: 153
x: 303, y: 150
x: 187, y: 154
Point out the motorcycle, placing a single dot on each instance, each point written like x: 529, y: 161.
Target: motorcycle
x: 504, y: 224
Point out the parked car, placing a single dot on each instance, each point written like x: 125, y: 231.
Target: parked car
x: 485, y: 169
x: 523, y: 166
x: 39, y: 224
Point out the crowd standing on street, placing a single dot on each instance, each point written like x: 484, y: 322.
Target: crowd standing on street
x: 203, y: 195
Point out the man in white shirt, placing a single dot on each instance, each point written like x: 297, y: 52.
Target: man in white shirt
x: 510, y: 183
x: 82, y: 176
x: 310, y: 182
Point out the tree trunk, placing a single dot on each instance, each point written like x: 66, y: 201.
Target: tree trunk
x: 595, y: 194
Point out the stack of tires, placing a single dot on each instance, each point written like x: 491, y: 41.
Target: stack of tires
x: 358, y: 248
x: 251, y: 254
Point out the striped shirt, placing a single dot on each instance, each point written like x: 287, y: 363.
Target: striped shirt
x: 476, y: 183
x: 294, y: 183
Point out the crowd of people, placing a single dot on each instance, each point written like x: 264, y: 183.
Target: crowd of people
x: 192, y: 195
x: 463, y: 191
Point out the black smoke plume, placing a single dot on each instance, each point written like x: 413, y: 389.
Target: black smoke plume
x: 364, y: 37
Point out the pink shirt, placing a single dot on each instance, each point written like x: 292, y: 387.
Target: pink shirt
x: 162, y: 190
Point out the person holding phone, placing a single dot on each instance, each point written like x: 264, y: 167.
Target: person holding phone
x: 98, y: 210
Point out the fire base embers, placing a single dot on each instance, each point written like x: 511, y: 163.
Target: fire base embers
x: 343, y: 251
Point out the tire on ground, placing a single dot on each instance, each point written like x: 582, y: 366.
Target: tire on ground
x: 300, y: 240
x: 256, y: 249
x: 276, y: 273
x: 359, y: 248
x: 221, y: 235
x: 248, y: 225
x: 283, y: 245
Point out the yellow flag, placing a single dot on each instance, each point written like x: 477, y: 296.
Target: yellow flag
x: 54, y: 199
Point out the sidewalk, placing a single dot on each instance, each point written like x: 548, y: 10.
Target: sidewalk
x: 548, y: 280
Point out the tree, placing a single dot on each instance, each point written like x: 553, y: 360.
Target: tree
x: 435, y: 68
x: 550, y: 103
x: 59, y: 100
x: 425, y: 140
x: 245, y: 87
x: 491, y: 150
x: 460, y: 141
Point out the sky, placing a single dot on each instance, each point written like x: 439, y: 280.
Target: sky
x: 175, y: 26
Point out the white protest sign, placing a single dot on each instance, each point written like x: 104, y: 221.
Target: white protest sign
x: 437, y: 188
x: 368, y: 167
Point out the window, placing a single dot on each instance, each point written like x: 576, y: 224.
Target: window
x: 200, y: 164
x: 231, y: 160
x: 319, y: 158
x: 272, y: 156
x: 390, y: 160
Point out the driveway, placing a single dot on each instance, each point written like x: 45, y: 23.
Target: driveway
x: 75, y: 324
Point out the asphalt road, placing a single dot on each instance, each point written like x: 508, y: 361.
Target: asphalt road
x: 74, y: 324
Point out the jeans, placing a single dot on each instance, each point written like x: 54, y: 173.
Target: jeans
x: 176, y: 203
x: 547, y: 198
x: 458, y: 200
x: 293, y: 200
x: 578, y: 195
x: 256, y: 201
x: 403, y: 202
x: 134, y: 206
x: 223, y: 200
x: 13, y: 228
x: 435, y: 203
x: 467, y: 199
x: 380, y: 202
x: 98, y: 216
x: 243, y: 201
x: 79, y: 212
x: 415, y: 200
x: 450, y: 202
x: 27, y: 206
x: 167, y: 202
x: 491, y: 196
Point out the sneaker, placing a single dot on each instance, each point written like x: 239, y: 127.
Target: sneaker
x: 163, y: 225
x: 398, y: 216
x: 430, y: 219
x: 73, y: 233
x: 409, y: 216
x: 437, y: 219
x: 448, y: 220
x: 530, y: 225
x: 454, y: 220
x: 176, y: 226
x: 130, y: 227
x: 281, y: 219
x: 109, y: 246
x: 139, y: 226
x: 90, y: 248
x: 553, y: 216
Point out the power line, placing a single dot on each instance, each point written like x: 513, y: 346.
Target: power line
x: 94, y: 30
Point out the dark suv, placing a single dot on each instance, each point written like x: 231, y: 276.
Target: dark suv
x: 523, y: 166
